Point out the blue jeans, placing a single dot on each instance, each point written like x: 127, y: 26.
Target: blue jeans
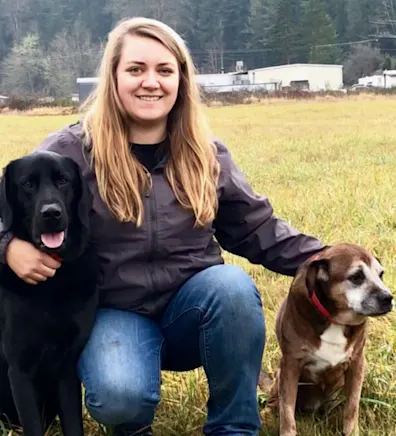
x: 215, y: 320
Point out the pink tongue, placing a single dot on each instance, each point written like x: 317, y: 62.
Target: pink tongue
x: 53, y: 240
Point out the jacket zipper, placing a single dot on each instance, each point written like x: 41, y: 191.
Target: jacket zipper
x: 152, y: 226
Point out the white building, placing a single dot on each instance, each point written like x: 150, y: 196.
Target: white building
x: 377, y: 80
x: 313, y: 77
x: 385, y: 80
x: 85, y: 86
x: 230, y: 82
x: 218, y: 79
x: 3, y: 100
x: 389, y: 78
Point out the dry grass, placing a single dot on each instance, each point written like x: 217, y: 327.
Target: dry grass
x: 41, y: 111
x: 328, y: 166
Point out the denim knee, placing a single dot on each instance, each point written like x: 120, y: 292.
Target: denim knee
x: 233, y: 298
x: 119, y: 401
x: 120, y: 368
x: 233, y: 290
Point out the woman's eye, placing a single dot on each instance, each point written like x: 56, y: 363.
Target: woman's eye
x: 134, y: 70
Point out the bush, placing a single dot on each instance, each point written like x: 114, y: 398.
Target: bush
x: 26, y: 102
x: 21, y: 103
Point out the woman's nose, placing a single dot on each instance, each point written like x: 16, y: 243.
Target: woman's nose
x: 151, y: 80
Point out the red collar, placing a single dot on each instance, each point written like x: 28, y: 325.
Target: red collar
x: 321, y: 308
x: 56, y: 257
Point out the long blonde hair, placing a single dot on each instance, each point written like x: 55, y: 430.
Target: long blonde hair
x: 192, y: 168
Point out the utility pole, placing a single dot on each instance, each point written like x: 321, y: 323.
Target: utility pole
x: 384, y: 29
x: 385, y: 24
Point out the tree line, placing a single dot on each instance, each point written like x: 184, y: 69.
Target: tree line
x: 46, y: 44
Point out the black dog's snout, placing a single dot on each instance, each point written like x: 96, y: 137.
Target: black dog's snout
x: 51, y: 211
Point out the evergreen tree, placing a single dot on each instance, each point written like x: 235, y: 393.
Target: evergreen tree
x: 262, y: 24
x: 337, y: 12
x: 360, y: 13
x: 285, y: 43
x: 236, y: 20
x: 318, y: 34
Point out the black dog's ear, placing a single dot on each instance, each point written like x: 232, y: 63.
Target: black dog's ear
x: 318, y: 276
x: 6, y: 214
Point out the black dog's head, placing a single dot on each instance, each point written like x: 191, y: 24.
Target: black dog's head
x: 44, y: 200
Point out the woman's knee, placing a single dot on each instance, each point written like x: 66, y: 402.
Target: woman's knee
x: 233, y: 317
x: 232, y: 296
x: 120, y: 368
x: 115, y: 401
x: 233, y: 289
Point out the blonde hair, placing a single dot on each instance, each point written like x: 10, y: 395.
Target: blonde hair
x: 192, y: 168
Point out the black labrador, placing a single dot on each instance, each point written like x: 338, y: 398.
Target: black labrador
x: 44, y: 327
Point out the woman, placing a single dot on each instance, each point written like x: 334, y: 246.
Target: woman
x: 162, y: 191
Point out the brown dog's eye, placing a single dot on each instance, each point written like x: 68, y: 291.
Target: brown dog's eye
x: 357, y: 278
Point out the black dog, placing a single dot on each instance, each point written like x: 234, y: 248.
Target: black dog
x: 43, y: 328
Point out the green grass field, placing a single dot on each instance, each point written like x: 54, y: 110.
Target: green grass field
x: 329, y: 168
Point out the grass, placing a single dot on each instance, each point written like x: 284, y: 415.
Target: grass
x: 328, y: 167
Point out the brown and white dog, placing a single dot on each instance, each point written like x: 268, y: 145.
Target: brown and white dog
x: 321, y: 328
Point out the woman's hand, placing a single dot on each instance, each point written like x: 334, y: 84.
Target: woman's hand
x: 29, y: 263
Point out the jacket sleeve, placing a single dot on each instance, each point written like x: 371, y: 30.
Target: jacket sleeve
x: 5, y: 238
x: 246, y: 225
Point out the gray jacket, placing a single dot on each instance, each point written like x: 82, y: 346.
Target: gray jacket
x: 141, y: 268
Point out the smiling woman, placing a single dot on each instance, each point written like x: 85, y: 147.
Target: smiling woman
x: 147, y: 93
x: 147, y: 84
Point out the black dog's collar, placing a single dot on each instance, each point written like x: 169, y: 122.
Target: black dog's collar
x: 56, y: 257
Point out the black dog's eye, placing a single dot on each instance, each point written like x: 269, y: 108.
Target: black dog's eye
x: 62, y: 181
x: 27, y: 184
x: 381, y: 275
x: 357, y: 278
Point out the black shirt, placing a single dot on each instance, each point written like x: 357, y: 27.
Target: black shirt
x: 149, y: 155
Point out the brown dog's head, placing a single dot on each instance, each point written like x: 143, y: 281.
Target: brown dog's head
x: 347, y: 281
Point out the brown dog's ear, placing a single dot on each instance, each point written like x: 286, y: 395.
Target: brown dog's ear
x: 318, y: 276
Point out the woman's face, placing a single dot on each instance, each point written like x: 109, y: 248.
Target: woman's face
x: 147, y: 80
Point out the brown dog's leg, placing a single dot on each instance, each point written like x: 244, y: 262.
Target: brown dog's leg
x: 289, y: 374
x: 353, y: 388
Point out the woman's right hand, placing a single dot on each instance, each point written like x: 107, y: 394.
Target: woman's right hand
x: 29, y: 263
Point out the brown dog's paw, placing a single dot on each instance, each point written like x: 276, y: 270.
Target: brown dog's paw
x: 269, y: 387
x: 265, y: 382
x: 288, y: 433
